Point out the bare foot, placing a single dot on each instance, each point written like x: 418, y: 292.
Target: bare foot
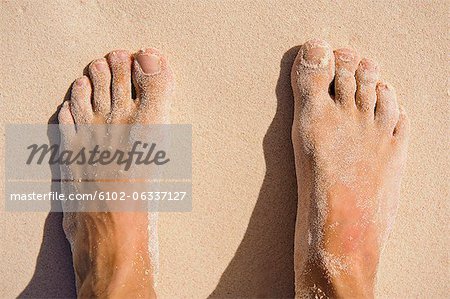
x: 350, y: 140
x: 112, y: 251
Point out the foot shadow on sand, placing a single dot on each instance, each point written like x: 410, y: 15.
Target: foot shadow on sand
x: 263, y: 266
x: 53, y: 276
x: 263, y: 263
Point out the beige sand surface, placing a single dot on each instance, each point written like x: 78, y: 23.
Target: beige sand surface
x: 232, y: 61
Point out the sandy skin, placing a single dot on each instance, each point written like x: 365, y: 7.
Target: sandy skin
x: 112, y: 253
x: 350, y: 146
x: 350, y: 141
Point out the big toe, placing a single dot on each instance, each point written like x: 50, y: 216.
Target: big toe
x: 153, y: 81
x: 313, y: 69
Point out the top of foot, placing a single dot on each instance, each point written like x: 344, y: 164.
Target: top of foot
x: 350, y: 140
x: 103, y: 265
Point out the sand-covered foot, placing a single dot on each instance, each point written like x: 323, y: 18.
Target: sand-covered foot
x: 113, y: 252
x: 350, y: 140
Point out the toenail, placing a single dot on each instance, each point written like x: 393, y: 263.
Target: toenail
x: 122, y: 55
x: 368, y: 64
x: 80, y: 82
x: 100, y: 65
x: 150, y: 63
x: 382, y: 86
x: 316, y: 54
x: 345, y: 55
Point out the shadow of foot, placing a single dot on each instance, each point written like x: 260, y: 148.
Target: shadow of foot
x: 263, y: 265
x: 53, y: 276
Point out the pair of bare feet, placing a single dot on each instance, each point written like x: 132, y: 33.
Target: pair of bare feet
x: 350, y: 140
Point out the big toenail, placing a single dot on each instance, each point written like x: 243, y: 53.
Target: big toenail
x: 100, y: 66
x: 316, y: 55
x: 150, y: 63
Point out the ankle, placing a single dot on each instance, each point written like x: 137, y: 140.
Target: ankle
x: 353, y: 284
x: 132, y: 276
x: 114, y: 270
x: 325, y: 278
x: 124, y: 281
x: 135, y: 285
x: 356, y: 277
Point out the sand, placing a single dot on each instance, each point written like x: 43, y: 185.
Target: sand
x: 232, y: 63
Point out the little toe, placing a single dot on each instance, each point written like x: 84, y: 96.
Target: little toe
x: 121, y: 101
x: 100, y: 76
x: 367, y: 75
x: 347, y: 61
x: 401, y: 130
x: 153, y: 81
x: 80, y: 101
x: 386, y: 110
x: 313, y: 70
x: 66, y: 122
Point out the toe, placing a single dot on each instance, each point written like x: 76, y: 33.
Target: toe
x: 80, y: 101
x: 386, y: 110
x: 367, y: 76
x: 313, y: 70
x: 101, y: 79
x: 344, y: 81
x: 64, y: 115
x: 66, y: 122
x: 401, y: 130
x: 153, y: 81
x: 121, y: 101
